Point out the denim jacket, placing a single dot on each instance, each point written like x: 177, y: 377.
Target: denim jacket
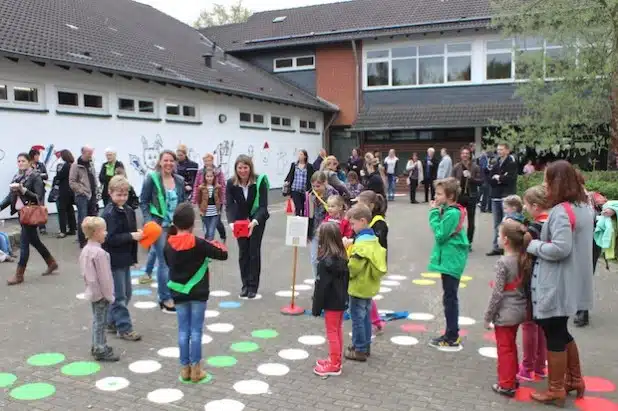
x: 150, y: 196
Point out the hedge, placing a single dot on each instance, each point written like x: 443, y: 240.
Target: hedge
x: 605, y: 182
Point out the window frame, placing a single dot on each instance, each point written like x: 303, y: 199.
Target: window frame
x: 295, y: 66
x: 281, y: 126
x: 81, y: 101
x: 181, y: 117
x: 10, y: 101
x: 308, y: 129
x: 136, y: 100
x: 253, y: 124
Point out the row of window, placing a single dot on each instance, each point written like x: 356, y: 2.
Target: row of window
x: 276, y: 122
x: 294, y: 63
x: 453, y: 63
x: 17, y: 94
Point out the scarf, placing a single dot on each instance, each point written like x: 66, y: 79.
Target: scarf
x: 110, y: 169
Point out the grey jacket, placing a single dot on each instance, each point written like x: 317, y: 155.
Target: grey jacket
x: 79, y: 181
x: 562, y: 275
x: 445, y: 168
x: 507, y: 305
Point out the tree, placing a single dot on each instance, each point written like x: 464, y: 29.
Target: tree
x: 219, y: 15
x: 571, y: 93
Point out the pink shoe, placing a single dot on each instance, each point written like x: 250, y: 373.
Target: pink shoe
x: 327, y: 369
x: 524, y: 374
x: 321, y: 362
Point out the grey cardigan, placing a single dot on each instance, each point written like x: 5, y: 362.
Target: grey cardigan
x: 562, y: 275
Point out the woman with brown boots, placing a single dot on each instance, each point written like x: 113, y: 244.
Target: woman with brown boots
x: 27, y: 188
x: 562, y: 279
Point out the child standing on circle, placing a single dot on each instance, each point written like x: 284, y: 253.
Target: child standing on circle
x: 96, y: 269
x: 508, y: 304
x: 336, y: 213
x: 209, y: 201
x: 449, y: 256
x: 188, y: 258
x: 533, y: 338
x: 331, y: 294
x: 377, y: 205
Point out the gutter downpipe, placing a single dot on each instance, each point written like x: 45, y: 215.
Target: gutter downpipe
x: 326, y: 134
x: 356, y: 87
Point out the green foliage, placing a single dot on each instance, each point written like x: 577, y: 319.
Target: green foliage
x: 605, y: 182
x: 220, y: 15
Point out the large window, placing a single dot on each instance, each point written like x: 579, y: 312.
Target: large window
x: 294, y: 63
x: 21, y: 95
x: 137, y: 107
x: 181, y: 112
x: 79, y: 101
x: 256, y: 120
x: 278, y: 122
x: 419, y: 65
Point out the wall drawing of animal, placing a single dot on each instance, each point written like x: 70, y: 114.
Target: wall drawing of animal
x: 282, y: 162
x: 223, y: 152
x: 150, y: 156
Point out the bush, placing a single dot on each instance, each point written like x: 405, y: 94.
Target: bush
x: 605, y: 182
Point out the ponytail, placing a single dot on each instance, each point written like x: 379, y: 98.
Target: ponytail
x: 377, y: 201
x: 380, y: 205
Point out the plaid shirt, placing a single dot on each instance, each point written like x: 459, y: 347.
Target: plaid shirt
x: 300, y: 179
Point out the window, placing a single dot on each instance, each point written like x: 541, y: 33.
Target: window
x: 459, y: 62
x: 26, y: 94
x: 72, y: 101
x: 280, y: 122
x: 308, y: 125
x: 253, y: 120
x: 137, y: 107
x: 294, y: 63
x: 188, y: 111
x: 66, y: 98
x: 499, y: 60
x: 245, y: 117
x: 93, y: 101
x: 258, y: 118
x: 3, y: 94
x: 126, y: 104
x: 145, y: 106
x: 22, y: 95
x: 172, y: 109
x: 286, y: 122
x: 279, y: 19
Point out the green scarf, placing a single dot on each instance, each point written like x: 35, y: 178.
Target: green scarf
x: 110, y: 169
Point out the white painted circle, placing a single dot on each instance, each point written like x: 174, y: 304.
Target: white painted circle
x: 145, y: 366
x: 251, y: 387
x: 134, y: 281
x: 489, y: 352
x: 293, y: 354
x: 220, y: 327
x: 154, y: 285
x: 466, y: 321
x: 211, y: 314
x: 145, y: 305
x: 312, y: 340
x: 396, y: 277
x: 257, y: 297
x: 219, y: 293
x: 391, y: 283
x: 224, y: 405
x: 404, y: 340
x: 451, y: 349
x: 302, y: 287
x: 112, y: 384
x: 273, y: 369
x: 309, y: 281
x: 385, y: 311
x: 80, y: 296
x: 169, y: 352
x: 165, y: 395
x: 385, y: 290
x: 286, y: 293
x: 378, y: 297
x: 206, y: 339
x: 421, y: 316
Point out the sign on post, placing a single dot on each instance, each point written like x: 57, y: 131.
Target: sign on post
x: 296, y: 231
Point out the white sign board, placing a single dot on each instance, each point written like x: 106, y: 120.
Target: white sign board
x: 296, y: 231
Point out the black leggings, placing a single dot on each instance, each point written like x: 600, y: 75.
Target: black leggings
x: 556, y: 333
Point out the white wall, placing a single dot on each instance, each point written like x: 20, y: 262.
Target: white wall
x: 134, y: 139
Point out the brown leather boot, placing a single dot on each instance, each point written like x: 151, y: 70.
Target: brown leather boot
x: 197, y: 373
x: 555, y: 393
x: 185, y: 373
x: 573, y: 380
x: 18, y: 278
x: 52, y: 266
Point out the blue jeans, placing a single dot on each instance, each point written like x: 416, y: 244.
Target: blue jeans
x: 150, y: 262
x: 498, y: 213
x: 30, y: 236
x: 190, y: 326
x: 391, y: 186
x: 450, y: 301
x: 361, y: 323
x: 99, y: 319
x: 485, y: 200
x: 210, y: 226
x: 314, y: 256
x: 82, y: 203
x: 163, y: 270
x: 118, y: 311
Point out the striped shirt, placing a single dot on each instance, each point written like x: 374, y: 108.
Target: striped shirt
x: 211, y: 210
x: 96, y: 268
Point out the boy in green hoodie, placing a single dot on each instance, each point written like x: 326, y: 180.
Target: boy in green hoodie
x: 367, y: 265
x: 449, y: 256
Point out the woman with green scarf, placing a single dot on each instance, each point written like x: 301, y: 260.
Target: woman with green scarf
x: 108, y: 170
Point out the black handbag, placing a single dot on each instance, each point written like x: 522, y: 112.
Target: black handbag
x: 53, y: 194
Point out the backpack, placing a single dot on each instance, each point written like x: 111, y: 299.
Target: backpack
x: 463, y: 213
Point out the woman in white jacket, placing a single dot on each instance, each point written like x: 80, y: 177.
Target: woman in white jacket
x: 414, y: 168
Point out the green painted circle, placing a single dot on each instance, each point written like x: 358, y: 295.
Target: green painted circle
x: 35, y: 391
x: 46, y: 359
x: 81, y: 368
x: 204, y: 380
x: 265, y: 334
x: 6, y: 379
x: 245, y: 346
x: 221, y: 361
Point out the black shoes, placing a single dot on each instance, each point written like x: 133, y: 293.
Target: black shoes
x: 493, y: 253
x: 581, y: 319
x: 244, y: 293
x: 251, y: 295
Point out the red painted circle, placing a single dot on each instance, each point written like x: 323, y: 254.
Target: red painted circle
x: 411, y: 328
x: 462, y: 333
x: 490, y: 336
x: 523, y: 394
x: 598, y: 384
x: 492, y: 283
x: 595, y: 404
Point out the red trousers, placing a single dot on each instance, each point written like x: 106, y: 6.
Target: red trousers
x: 508, y: 365
x: 334, y: 334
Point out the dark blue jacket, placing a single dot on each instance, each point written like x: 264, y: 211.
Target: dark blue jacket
x: 149, y: 195
x: 119, y: 243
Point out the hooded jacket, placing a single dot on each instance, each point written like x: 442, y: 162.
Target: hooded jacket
x: 331, y: 286
x: 367, y: 265
x: 450, y: 251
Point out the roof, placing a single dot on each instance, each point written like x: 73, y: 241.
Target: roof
x: 399, y: 117
x: 349, y: 20
x: 130, y: 38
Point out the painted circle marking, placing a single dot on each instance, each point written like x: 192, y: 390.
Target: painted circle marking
x: 595, y: 404
x: 309, y: 281
x: 205, y: 380
x: 244, y: 347
x: 134, y: 281
x: 220, y: 327
x: 391, y: 283
x: 431, y: 275
x: 6, y: 379
x: 80, y: 296
x: 451, y: 349
x: 142, y: 291
x: 34, y: 391
x: 137, y: 273
x: 378, y: 297
x: 404, y: 340
x: 465, y: 278
x: 224, y: 405
x: 211, y: 314
x: 145, y: 366
x: 46, y: 359
x: 273, y: 369
x: 423, y: 281
x: 410, y: 328
x: 490, y: 336
x: 81, y: 368
x: 312, y: 340
x: 219, y: 293
x: 251, y: 387
x: 385, y: 312
x: 302, y: 287
x: 154, y: 285
x: 397, y: 277
x: 112, y: 384
x: 257, y: 297
x: 385, y: 290
x: 165, y: 395
x: 421, y: 316
x: 598, y: 384
x: 293, y: 354
x: 229, y: 304
x: 206, y: 339
x: 221, y: 361
x: 463, y: 285
x: 489, y: 352
x: 466, y: 321
x: 145, y: 305
x: 286, y: 293
x: 265, y: 334
x: 169, y: 352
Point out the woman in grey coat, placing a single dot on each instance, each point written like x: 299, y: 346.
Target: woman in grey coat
x: 562, y: 278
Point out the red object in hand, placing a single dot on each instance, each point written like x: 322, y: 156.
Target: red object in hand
x: 241, y: 229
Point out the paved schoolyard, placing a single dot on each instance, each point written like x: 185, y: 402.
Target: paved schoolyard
x: 44, y: 316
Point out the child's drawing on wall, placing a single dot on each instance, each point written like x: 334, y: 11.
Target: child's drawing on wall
x: 265, y: 155
x: 250, y: 150
x: 223, y: 152
x: 282, y: 162
x: 1, y: 154
x: 150, y: 156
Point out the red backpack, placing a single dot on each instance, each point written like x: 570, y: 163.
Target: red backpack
x: 463, y: 213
